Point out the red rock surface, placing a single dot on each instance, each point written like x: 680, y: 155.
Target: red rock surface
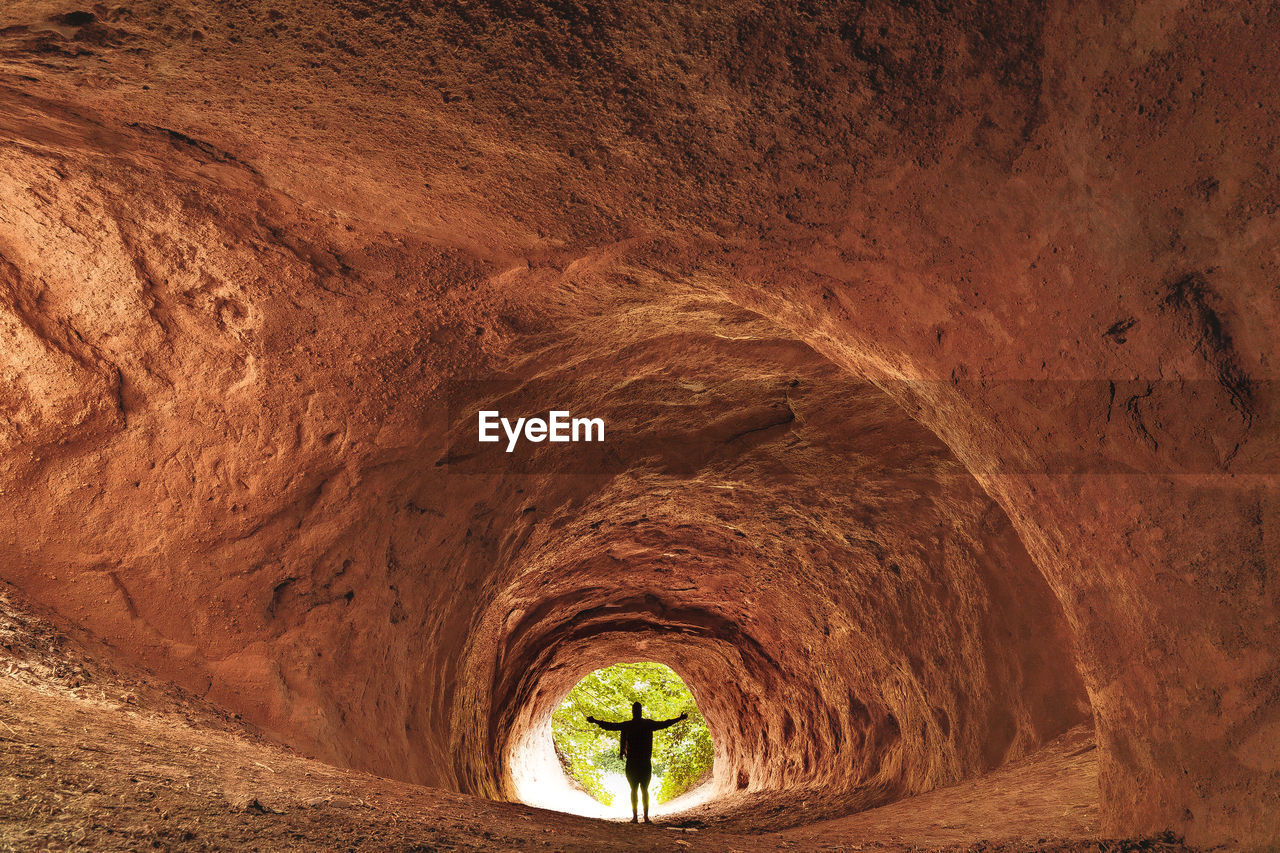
x: 935, y: 341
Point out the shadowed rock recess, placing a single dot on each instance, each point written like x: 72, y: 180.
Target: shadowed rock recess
x: 935, y: 344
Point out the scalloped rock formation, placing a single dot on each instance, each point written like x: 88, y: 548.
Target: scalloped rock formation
x: 935, y: 343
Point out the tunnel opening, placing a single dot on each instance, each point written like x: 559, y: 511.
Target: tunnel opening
x: 586, y: 771
x: 858, y: 618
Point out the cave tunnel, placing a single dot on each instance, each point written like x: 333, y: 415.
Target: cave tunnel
x: 933, y: 346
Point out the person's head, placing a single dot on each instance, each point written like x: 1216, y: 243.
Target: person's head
x: 635, y: 710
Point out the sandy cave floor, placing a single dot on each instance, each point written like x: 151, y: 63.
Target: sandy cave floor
x: 92, y: 758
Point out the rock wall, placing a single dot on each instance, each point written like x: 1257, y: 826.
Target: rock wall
x: 938, y: 338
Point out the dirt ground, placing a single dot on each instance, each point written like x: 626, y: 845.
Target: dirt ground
x: 94, y: 757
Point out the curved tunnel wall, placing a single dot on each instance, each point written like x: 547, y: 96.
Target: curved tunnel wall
x: 226, y: 449
x: 770, y: 520
x: 883, y: 639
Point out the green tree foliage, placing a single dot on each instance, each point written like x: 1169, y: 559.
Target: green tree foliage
x: 682, y: 754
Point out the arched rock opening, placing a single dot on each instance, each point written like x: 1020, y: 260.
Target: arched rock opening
x: 855, y: 616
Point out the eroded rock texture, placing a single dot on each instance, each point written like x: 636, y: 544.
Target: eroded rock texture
x: 935, y: 342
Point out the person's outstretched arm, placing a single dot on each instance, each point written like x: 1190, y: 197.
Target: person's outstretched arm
x: 607, y: 726
x: 662, y: 724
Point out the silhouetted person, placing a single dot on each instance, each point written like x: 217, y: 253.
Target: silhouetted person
x: 637, y: 749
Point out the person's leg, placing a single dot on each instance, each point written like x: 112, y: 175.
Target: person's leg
x: 634, y: 816
x: 644, y: 786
